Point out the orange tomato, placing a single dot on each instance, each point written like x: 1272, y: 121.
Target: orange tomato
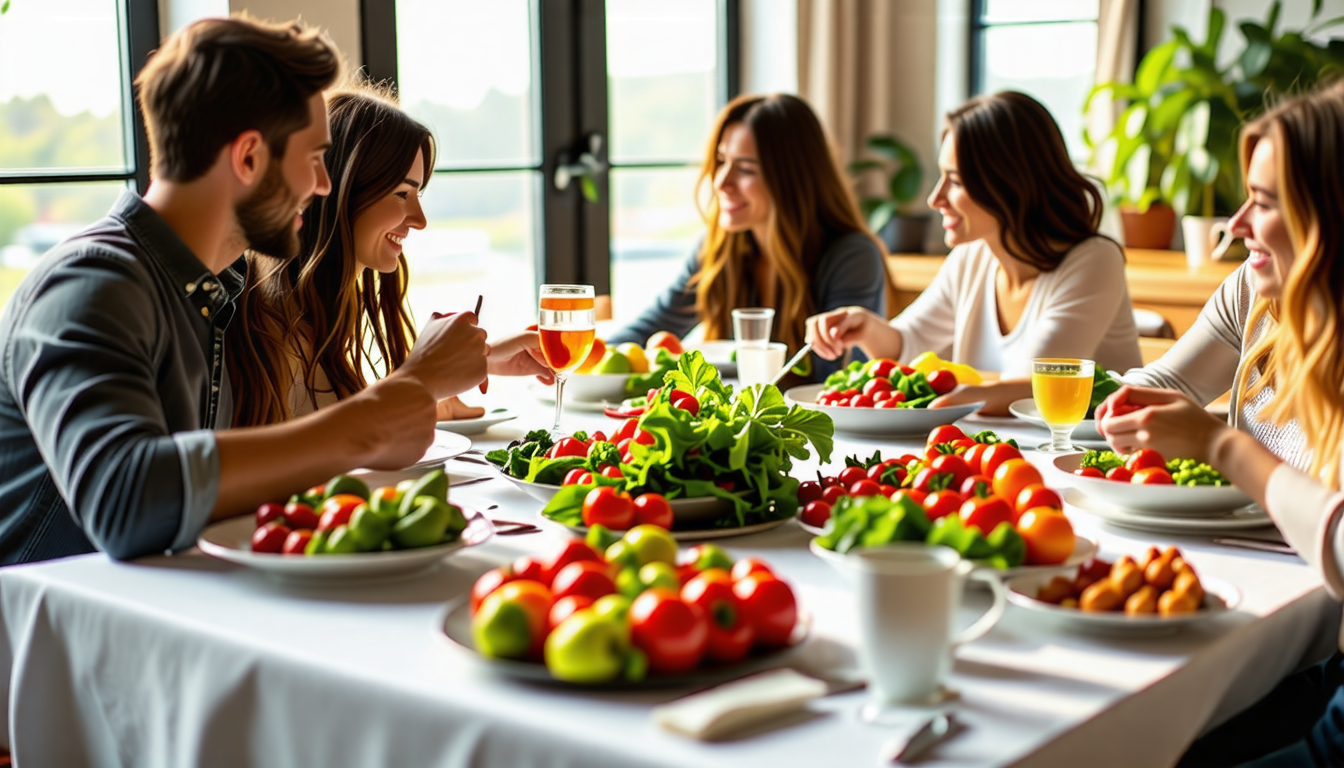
x: 1012, y: 476
x: 1048, y: 534
x: 1036, y: 495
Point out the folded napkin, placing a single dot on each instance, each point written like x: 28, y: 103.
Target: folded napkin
x: 719, y: 711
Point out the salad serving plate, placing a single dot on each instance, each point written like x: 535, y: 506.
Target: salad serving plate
x: 1152, y: 500
x: 879, y: 422
x: 1220, y: 598
x: 480, y: 423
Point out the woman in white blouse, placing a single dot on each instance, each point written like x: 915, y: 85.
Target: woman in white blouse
x: 1289, y: 391
x: 1028, y: 275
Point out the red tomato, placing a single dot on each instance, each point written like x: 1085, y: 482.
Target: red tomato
x: 1088, y: 472
x: 995, y: 455
x: 874, y: 386
x: 1143, y: 459
x: 568, y: 446
x: 769, y: 606
x: 851, y: 475
x: 535, y: 601
x: 598, y: 437
x: 897, y: 397
x: 270, y: 511
x: 565, y: 607
x: 832, y: 494
x: 976, y: 485
x: 809, y: 491
x: 816, y: 513
x: 653, y: 509
x: 974, y: 456
x: 1152, y: 476
x: 891, y: 472
x: 575, y: 550
x: 530, y: 568
x: 864, y: 487
x: 944, y: 434
x: 749, y: 565
x: 585, y: 577
x: 940, y: 503
x: 886, y: 490
x: 1036, y: 495
x: 606, y: 506
x: 297, y: 541
x: 927, y: 480
x: 882, y: 367
x: 672, y: 633
x: 611, y: 471
x: 684, y: 401
x: 953, y: 464
x: 730, y: 634
x: 578, y: 476
x: 861, y: 401
x: 644, y: 438
x: 1119, y: 474
x: 625, y: 431
x: 1048, y: 534
x: 986, y: 513
x: 299, y: 515
x: 942, y: 381
x: 828, y: 480
x: 880, y: 396
x: 337, y: 510
x: 488, y: 582
x: 914, y: 494
x: 270, y: 538
x: 1012, y: 476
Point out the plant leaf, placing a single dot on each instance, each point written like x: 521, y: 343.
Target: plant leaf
x: 1137, y: 170
x: 881, y: 215
x: 1217, y: 20
x: 905, y: 184
x: 1152, y: 71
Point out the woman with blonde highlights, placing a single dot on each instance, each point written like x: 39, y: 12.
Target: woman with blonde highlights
x: 782, y: 230
x: 1028, y: 276
x: 1283, y: 309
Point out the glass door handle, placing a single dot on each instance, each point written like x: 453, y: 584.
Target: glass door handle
x: 583, y: 164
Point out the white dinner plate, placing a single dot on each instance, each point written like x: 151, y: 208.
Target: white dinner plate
x: 1083, y: 548
x: 231, y: 540
x: 702, y: 534
x: 546, y: 394
x: 1027, y: 411
x: 594, y: 387
x: 879, y: 422
x: 480, y: 423
x: 455, y: 629
x: 718, y: 354
x: 1239, y: 519
x: 1167, y: 500
x: 1220, y: 597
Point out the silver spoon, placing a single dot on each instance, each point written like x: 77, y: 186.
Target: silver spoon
x: 792, y: 362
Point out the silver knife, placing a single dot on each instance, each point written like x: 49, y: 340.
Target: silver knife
x: 937, y: 728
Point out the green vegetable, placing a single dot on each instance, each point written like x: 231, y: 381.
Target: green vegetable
x: 340, y: 541
x: 914, y: 386
x: 600, y: 537
x: 346, y: 484
x: 663, y: 362
x: 1104, y: 461
x: 369, y: 528
x: 317, y: 545
x: 1010, y: 550
x: 1102, y: 387
x: 425, y: 525
x: 873, y: 521
x: 1191, y: 472
x: 949, y: 531
x: 433, y: 484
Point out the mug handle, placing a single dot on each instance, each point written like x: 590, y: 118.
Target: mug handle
x: 995, y: 612
x: 1217, y: 242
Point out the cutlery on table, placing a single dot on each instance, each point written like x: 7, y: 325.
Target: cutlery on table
x: 471, y: 481
x: 934, y: 730
x: 792, y: 362
x: 1259, y: 545
x: 513, y: 528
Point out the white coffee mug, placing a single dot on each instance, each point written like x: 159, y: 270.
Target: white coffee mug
x: 908, y: 600
x: 1207, y: 238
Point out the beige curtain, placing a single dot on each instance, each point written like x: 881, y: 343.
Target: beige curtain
x: 1117, y: 39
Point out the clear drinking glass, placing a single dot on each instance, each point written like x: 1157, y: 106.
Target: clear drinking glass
x: 567, y: 324
x: 1062, y: 388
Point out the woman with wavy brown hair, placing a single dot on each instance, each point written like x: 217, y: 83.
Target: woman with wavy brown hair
x: 1028, y: 276
x: 308, y: 330
x: 1285, y: 447
x: 782, y: 230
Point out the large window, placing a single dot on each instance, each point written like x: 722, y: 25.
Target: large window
x: 69, y: 135
x: 516, y: 89
x: 1044, y: 48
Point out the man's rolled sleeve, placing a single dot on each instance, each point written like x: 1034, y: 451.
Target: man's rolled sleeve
x: 200, y: 484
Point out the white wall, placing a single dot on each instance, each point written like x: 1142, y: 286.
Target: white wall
x: 340, y: 18
x: 769, y: 46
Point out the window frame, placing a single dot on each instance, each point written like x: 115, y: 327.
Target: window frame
x: 975, y: 43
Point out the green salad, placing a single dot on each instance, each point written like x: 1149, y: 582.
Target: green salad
x: 872, y: 521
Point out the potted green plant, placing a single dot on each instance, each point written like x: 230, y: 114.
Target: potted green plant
x: 890, y: 216
x: 1175, y: 144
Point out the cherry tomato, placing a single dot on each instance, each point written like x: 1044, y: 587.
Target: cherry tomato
x: 864, y: 487
x: 528, y: 567
x: 882, y: 367
x: 851, y: 475
x: 488, y: 582
x: 1048, y: 534
x: 832, y: 494
x: 568, y: 446
x: 299, y: 515
x: 954, y: 465
x: 816, y: 513
x: 271, y: 511
x: 1152, y: 476
x: 942, y: 381
x: 891, y: 473
x: 808, y: 491
x: 270, y: 538
x: 886, y: 490
x: 880, y: 396
x: 828, y: 480
x: 927, y: 480
x: 944, y: 434
x: 1012, y: 476
x: 749, y: 565
x: 598, y: 437
x: 995, y: 455
x: 976, y: 485
x: 625, y: 431
x: 337, y: 510
x: 578, y: 476
x: 974, y: 456
x: 1088, y: 472
x: 890, y: 402
x: 986, y: 513
x: 730, y: 633
x: 861, y: 401
x: 575, y: 550
x: 685, y: 401
x: 913, y: 494
x: 613, y: 472
x: 535, y: 601
x: 672, y: 633
x: 1036, y: 495
x: 769, y: 606
x: 1119, y: 474
x: 874, y: 386
x: 297, y: 541
x: 584, y: 577
x: 941, y: 503
x: 1144, y: 458
x: 653, y: 509
x: 608, y: 507
x: 565, y: 607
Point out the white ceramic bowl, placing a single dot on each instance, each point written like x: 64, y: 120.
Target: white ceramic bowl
x: 596, y: 387
x: 879, y: 422
x: 1219, y: 598
x: 1083, y: 548
x: 1176, y: 500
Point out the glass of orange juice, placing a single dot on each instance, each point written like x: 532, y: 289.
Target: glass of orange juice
x: 567, y: 325
x: 1062, y: 388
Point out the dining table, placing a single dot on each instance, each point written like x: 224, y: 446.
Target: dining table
x: 185, y: 659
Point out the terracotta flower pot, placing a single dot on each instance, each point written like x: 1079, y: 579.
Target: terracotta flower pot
x: 1153, y: 228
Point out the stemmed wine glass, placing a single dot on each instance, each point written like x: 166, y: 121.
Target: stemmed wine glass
x: 1062, y: 388
x: 567, y: 325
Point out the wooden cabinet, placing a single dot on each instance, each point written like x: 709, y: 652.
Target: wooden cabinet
x: 1158, y: 280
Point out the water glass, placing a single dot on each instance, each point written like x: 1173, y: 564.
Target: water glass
x: 751, y: 327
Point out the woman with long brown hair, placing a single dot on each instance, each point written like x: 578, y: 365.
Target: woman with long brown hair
x: 1284, y: 311
x: 782, y: 230
x: 1028, y: 276
x: 309, y: 329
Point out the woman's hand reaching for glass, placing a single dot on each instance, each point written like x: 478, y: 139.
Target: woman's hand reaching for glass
x: 996, y: 396
x: 452, y: 409
x: 519, y: 355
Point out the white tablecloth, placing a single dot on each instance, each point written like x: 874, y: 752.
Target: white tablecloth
x: 186, y: 660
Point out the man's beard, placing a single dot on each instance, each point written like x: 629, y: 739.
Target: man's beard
x: 266, y: 217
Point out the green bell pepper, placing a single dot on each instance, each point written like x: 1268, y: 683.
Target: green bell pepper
x: 433, y: 484
x: 347, y: 484
x: 369, y: 528
x: 424, y: 525
x: 340, y: 541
